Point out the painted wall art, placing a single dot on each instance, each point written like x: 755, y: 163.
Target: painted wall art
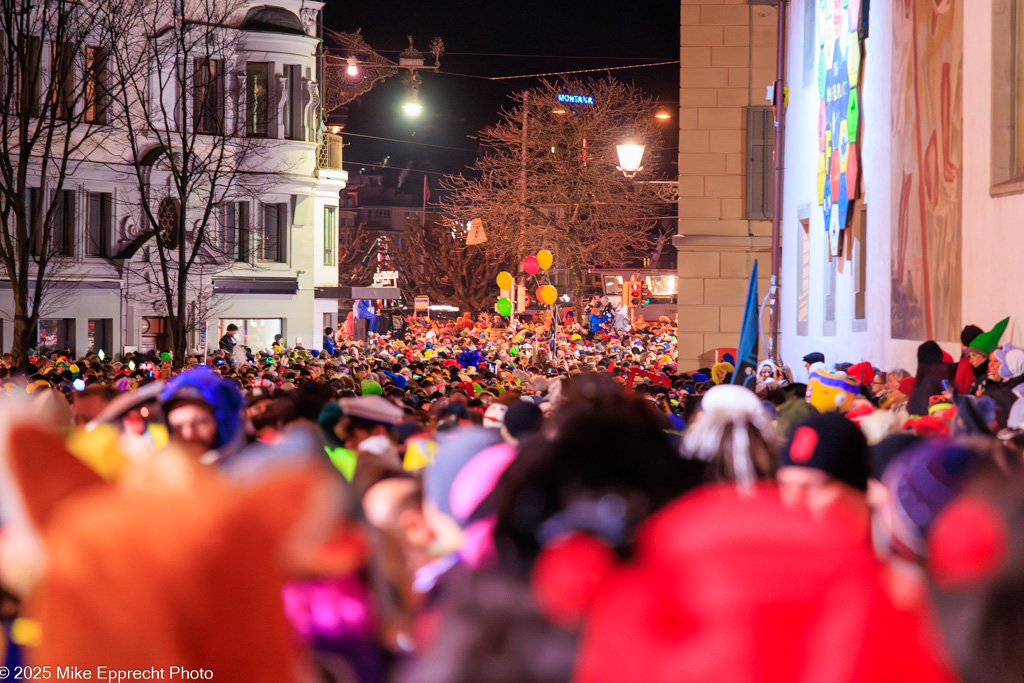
x: 842, y: 28
x: 927, y: 166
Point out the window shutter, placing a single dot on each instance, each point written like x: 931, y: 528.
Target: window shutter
x: 229, y: 229
x: 760, y: 162
x: 242, y: 247
x: 268, y: 248
x: 63, y: 224
x: 282, y: 233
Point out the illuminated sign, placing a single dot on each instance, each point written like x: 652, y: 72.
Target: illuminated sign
x: 576, y: 99
x: 385, y: 278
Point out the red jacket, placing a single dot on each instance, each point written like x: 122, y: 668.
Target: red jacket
x: 964, y: 375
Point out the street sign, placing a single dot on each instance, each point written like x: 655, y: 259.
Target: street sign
x: 385, y: 278
x: 421, y: 303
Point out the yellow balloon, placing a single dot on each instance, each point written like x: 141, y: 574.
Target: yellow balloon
x: 545, y: 259
x: 505, y: 280
x: 549, y: 294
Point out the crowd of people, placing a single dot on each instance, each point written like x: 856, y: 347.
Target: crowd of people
x: 506, y: 500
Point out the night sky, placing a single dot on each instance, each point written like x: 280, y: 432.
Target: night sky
x: 564, y: 35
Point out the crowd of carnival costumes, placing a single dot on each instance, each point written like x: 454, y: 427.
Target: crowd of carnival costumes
x: 494, y: 500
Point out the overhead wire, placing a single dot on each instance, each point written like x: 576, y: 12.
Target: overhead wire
x: 559, y: 73
x: 510, y: 54
x: 395, y: 168
x: 408, y: 142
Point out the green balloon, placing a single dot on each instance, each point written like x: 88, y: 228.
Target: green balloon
x: 504, y: 306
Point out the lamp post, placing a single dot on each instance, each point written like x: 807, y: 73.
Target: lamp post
x: 630, y: 153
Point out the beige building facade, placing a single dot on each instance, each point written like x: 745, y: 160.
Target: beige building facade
x: 726, y: 138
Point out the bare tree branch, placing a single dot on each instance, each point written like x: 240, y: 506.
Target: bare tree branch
x: 549, y: 179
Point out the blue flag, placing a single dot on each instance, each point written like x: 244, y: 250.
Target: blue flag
x: 746, y: 353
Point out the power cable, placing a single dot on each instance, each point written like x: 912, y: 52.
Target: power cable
x: 508, y: 54
x: 559, y: 73
x: 394, y: 168
x: 408, y: 142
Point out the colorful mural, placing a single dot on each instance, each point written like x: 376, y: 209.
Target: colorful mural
x: 927, y: 166
x: 842, y: 27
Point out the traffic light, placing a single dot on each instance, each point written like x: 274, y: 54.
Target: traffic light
x: 645, y: 295
x: 635, y: 294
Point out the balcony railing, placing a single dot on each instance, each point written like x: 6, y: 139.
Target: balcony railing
x: 330, y: 152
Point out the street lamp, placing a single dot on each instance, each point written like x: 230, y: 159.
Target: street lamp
x: 630, y: 155
x: 412, y: 106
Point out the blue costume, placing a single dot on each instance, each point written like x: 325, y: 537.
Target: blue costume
x: 597, y: 321
x: 364, y: 312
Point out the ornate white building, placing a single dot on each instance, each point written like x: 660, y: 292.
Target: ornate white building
x: 278, y: 244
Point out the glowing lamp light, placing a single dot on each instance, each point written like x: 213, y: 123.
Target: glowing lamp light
x: 630, y: 154
x: 353, y: 67
x: 412, y: 106
x: 662, y: 114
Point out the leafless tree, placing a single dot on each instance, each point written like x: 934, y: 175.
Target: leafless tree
x: 434, y: 260
x: 52, y: 116
x: 549, y: 179
x: 358, y: 253
x: 197, y: 123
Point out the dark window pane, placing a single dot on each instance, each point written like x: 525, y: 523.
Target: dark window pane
x: 100, y: 219
x: 257, y: 83
x: 208, y: 96
x: 96, y: 95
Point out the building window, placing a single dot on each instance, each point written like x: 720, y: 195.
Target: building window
x: 5, y: 72
x: 63, y: 74
x: 100, y: 218
x: 96, y: 94
x: 1007, y: 97
x: 168, y: 216
x: 33, y: 210
x: 233, y: 223
x: 227, y: 224
x: 29, y: 78
x: 293, y: 128
x: 330, y: 234
x: 858, y: 254
x: 61, y: 240
x: 56, y: 334
x: 272, y: 239
x: 760, y: 159
x: 803, y: 274
x: 208, y: 96
x: 256, y: 333
x: 101, y: 335
x: 153, y: 334
x: 810, y: 41
x: 831, y: 271
x: 257, y: 84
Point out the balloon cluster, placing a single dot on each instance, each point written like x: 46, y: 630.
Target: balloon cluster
x: 532, y: 265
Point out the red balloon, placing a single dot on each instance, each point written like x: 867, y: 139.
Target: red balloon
x: 530, y: 265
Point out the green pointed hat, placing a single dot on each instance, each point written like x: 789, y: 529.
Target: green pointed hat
x: 986, y: 342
